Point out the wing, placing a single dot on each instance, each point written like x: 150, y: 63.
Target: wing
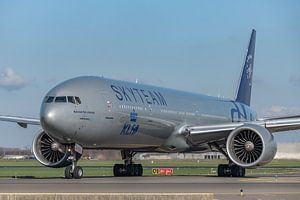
x: 211, y: 133
x: 282, y: 123
x: 214, y: 133
x: 22, y: 121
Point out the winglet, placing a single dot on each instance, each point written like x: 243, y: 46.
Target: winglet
x: 244, y: 90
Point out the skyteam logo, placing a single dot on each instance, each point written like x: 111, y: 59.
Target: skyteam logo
x: 133, y: 116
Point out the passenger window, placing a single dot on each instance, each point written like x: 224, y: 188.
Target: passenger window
x: 60, y: 99
x: 78, y: 101
x: 49, y: 99
x: 71, y: 99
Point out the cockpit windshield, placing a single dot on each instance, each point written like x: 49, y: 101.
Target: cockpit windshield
x: 49, y: 99
x: 78, y: 101
x: 63, y: 99
x: 71, y: 99
x: 60, y: 99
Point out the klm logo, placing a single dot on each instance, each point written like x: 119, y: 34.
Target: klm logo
x: 133, y: 116
x: 130, y: 129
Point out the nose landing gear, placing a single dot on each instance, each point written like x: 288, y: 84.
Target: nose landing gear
x: 129, y: 168
x: 74, y: 171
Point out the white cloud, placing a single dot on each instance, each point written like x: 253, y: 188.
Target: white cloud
x: 10, y: 80
x: 278, y: 111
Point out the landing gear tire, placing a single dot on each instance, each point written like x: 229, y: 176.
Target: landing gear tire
x: 221, y: 171
x: 140, y: 170
x: 224, y: 171
x: 117, y: 170
x: 237, y: 171
x: 68, y: 172
x: 78, y: 172
x: 231, y: 170
x: 129, y: 170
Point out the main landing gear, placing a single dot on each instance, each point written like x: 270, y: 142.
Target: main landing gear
x: 231, y: 170
x: 128, y: 168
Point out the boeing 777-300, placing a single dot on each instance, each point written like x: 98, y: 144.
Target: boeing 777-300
x: 99, y: 113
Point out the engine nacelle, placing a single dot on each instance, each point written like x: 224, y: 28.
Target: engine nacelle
x: 49, y: 152
x: 251, y: 145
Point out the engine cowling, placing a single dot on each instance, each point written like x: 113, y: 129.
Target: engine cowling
x: 50, y: 152
x: 251, y: 145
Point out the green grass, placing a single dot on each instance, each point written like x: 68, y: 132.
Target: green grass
x: 32, y: 168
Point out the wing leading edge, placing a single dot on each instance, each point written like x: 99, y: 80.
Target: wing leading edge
x: 282, y: 123
x: 22, y: 121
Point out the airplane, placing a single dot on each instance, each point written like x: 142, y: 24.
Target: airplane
x: 99, y: 113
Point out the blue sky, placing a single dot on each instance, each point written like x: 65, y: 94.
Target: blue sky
x: 198, y: 46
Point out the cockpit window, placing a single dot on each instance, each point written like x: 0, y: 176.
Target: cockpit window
x: 61, y: 99
x: 49, y: 99
x: 71, y: 99
x: 78, y: 101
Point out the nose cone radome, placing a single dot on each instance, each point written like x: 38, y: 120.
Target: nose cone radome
x: 48, y: 118
x: 53, y: 122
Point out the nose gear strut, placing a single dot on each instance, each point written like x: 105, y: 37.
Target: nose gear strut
x: 74, y: 171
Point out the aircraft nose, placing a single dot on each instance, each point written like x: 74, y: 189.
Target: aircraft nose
x: 48, y: 117
x: 52, y: 122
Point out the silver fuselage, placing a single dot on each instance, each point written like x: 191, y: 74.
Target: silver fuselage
x: 116, y: 114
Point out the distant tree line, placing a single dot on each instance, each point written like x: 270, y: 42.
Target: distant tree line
x: 14, y: 151
x: 87, y: 154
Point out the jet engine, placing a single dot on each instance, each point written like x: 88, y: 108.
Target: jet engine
x: 50, y: 152
x: 250, y: 146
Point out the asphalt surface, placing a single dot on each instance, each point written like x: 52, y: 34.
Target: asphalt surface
x: 254, y: 187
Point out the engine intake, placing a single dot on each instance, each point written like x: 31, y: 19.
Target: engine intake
x: 50, y: 152
x: 251, y: 145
